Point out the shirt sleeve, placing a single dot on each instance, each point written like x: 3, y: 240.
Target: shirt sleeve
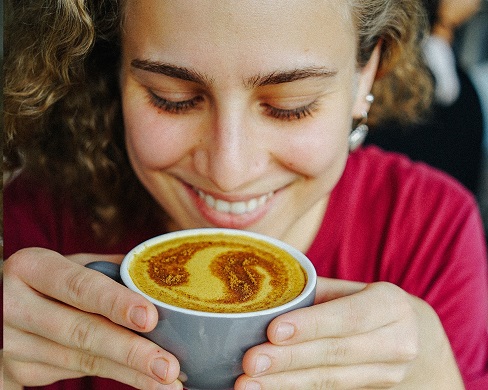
x: 443, y: 251
x: 459, y: 294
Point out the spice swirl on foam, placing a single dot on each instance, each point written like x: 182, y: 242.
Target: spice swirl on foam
x: 219, y: 275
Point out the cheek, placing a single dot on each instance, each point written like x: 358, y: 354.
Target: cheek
x: 320, y: 150
x: 152, y: 140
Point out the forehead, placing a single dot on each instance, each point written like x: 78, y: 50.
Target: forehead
x: 240, y: 34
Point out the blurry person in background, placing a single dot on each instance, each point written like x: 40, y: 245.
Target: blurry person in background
x: 450, y: 137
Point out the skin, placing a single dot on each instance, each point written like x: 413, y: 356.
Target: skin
x: 451, y: 15
x: 231, y: 145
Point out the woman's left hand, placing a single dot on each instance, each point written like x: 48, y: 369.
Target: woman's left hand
x: 355, y: 336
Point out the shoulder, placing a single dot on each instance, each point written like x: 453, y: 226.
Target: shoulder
x: 399, y: 209
x: 394, y: 177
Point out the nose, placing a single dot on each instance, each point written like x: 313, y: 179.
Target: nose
x: 231, y: 154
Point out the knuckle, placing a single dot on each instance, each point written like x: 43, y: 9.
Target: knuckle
x: 114, y: 304
x: 90, y: 364
x: 336, y: 352
x: 351, y: 318
x: 135, y: 357
x: 407, y: 351
x: 83, y: 333
x: 396, y: 301
x: 315, y: 327
x: 327, y: 383
x: 290, y: 361
x: 393, y: 377
x: 388, y: 292
x: 87, y: 288
x: 79, y: 285
x: 394, y: 296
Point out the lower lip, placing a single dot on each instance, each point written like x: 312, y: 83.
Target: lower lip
x: 228, y: 220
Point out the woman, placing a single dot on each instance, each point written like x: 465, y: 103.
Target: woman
x: 233, y: 114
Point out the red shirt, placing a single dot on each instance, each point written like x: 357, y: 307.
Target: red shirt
x: 388, y: 219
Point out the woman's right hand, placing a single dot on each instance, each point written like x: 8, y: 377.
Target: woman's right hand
x: 62, y: 320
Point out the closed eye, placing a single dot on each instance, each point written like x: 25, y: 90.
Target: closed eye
x: 290, y: 114
x: 174, y: 107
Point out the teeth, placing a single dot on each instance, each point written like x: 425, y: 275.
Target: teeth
x: 234, y: 207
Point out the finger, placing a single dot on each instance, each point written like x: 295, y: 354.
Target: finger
x: 62, y: 360
x: 397, y: 345
x: 377, y: 305
x: 29, y: 373
x: 376, y: 376
x: 328, y: 289
x: 88, y: 290
x: 96, y: 336
x: 36, y: 374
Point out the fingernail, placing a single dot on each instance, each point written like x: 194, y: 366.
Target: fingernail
x: 284, y: 331
x: 251, y: 385
x: 160, y: 368
x: 138, y: 316
x: 263, y: 363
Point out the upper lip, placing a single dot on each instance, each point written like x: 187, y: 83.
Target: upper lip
x: 231, y: 197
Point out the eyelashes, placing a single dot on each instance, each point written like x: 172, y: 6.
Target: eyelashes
x: 290, y: 114
x: 174, y: 107
x: 184, y: 106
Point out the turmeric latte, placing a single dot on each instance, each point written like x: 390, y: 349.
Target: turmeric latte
x: 218, y: 273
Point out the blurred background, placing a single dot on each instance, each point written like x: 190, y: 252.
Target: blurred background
x: 454, y: 137
x: 471, y: 47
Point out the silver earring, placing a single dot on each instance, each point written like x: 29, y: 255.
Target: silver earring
x: 358, y: 135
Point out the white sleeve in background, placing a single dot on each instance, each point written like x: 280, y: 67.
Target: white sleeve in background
x: 440, y: 59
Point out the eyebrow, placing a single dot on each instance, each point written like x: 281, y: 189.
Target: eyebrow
x: 171, y: 71
x: 273, y: 78
x: 280, y: 77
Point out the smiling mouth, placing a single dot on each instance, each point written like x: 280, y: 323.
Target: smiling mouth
x: 237, y: 208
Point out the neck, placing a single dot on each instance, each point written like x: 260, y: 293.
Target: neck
x: 304, y: 231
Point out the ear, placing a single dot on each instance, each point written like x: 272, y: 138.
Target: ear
x: 366, y: 78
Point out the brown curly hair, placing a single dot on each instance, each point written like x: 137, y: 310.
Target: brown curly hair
x: 63, y: 119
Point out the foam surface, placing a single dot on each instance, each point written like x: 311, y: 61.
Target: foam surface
x: 218, y: 273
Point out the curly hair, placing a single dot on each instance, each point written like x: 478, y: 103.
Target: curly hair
x: 403, y: 88
x: 63, y: 120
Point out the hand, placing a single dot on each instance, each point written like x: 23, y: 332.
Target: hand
x: 355, y: 336
x: 62, y: 320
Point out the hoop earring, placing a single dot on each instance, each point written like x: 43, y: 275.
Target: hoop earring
x: 358, y: 135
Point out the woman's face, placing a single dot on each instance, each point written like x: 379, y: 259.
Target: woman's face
x: 237, y: 113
